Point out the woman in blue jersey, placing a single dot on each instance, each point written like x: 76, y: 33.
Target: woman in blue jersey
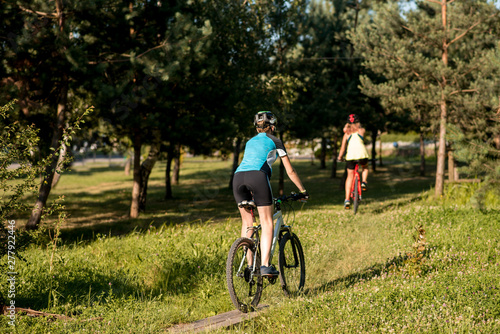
x: 251, y: 181
x: 352, y: 142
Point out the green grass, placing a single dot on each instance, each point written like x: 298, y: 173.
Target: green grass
x: 405, y: 137
x: 112, y: 274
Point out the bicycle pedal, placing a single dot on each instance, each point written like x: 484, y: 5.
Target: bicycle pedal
x: 272, y: 279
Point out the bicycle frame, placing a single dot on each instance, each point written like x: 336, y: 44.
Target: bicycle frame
x: 353, y: 184
x: 278, y: 219
x: 278, y: 225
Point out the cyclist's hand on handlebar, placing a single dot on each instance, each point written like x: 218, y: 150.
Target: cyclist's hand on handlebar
x: 303, y: 195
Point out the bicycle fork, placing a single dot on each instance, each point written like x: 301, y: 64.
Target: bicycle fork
x: 296, y: 262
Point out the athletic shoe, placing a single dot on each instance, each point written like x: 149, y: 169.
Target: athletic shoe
x: 269, y: 271
x: 347, y: 204
x: 364, y: 186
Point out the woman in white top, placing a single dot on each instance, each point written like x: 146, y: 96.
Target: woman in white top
x: 352, y: 142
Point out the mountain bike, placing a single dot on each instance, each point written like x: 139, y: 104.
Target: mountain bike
x: 244, y: 280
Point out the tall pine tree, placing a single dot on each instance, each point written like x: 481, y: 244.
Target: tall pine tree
x: 430, y: 59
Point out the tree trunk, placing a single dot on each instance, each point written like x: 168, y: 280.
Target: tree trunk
x: 323, y: 153
x: 443, y: 118
x: 48, y: 176
x: 62, y: 155
x: 422, y: 154
x: 236, y: 159
x: 380, y: 163
x: 136, y: 188
x: 497, y: 141
x: 312, y: 155
x: 435, y: 148
x: 147, y: 167
x: 177, y: 165
x: 374, y: 149
x: 334, y: 157
x: 441, y: 158
x: 128, y: 164
x: 168, y: 179
x: 451, y: 166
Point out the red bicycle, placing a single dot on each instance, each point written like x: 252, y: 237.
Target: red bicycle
x: 356, y: 190
x: 356, y: 187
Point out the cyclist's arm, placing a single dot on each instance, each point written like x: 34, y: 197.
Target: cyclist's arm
x: 292, y: 174
x: 343, y: 146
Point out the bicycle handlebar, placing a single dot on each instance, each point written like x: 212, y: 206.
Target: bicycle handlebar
x: 292, y: 197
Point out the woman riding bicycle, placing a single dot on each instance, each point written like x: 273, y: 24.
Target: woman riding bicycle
x: 251, y: 181
x: 356, y: 153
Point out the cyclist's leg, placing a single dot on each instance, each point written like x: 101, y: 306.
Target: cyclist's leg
x: 247, y: 222
x: 258, y: 183
x: 246, y: 231
x: 348, y: 181
x: 266, y: 238
x: 242, y: 191
x: 263, y: 197
x: 364, y: 173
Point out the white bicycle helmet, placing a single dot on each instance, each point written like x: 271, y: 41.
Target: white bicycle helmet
x: 267, y: 117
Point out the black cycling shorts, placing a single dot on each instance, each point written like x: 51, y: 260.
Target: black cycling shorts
x: 252, y: 185
x: 351, y: 164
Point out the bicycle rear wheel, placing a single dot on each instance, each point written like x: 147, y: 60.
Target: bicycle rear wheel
x: 245, y: 286
x: 292, y: 265
x: 355, y: 201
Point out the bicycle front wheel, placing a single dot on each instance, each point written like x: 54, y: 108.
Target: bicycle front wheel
x: 244, y: 284
x: 292, y: 265
x: 355, y: 202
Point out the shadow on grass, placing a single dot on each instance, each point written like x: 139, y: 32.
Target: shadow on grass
x: 404, y: 264
x: 90, y: 171
x: 84, y: 286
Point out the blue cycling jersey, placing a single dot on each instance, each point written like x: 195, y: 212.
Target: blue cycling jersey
x: 260, y: 153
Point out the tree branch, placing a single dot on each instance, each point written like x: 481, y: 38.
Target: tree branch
x: 49, y: 15
x: 468, y: 29
x: 127, y: 56
x: 434, y: 1
x: 462, y: 34
x: 440, y: 2
x: 464, y: 91
x: 138, y: 56
x: 419, y: 35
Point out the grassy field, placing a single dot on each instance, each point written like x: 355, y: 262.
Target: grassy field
x: 365, y: 273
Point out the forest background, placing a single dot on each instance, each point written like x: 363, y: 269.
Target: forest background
x: 167, y: 77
